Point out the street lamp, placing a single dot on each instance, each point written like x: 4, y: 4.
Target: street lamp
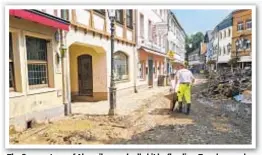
x: 112, y: 88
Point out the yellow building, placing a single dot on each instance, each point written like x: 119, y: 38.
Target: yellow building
x: 35, y: 79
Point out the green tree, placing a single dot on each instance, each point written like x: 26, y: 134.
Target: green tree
x: 194, y: 40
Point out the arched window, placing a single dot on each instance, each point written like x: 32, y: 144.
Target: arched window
x: 121, y: 66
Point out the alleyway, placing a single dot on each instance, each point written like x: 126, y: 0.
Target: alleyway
x: 150, y: 122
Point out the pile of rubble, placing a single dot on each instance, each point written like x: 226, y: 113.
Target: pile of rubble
x: 227, y: 84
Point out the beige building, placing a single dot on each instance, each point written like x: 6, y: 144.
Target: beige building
x: 89, y: 56
x: 35, y: 79
x: 50, y: 68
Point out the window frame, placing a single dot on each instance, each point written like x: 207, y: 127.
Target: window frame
x: 11, y: 60
x: 121, y: 16
x: 240, y: 24
x: 38, y: 62
x: 142, y: 26
x: 129, y: 16
x: 142, y: 70
x: 100, y: 11
x: 150, y: 28
x: 126, y: 66
x: 249, y: 21
x: 248, y: 43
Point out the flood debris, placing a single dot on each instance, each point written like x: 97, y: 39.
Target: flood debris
x: 227, y: 84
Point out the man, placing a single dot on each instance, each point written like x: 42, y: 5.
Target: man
x: 185, y: 79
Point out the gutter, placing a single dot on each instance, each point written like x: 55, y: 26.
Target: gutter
x: 135, y: 51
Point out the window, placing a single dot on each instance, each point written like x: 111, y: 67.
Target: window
x: 129, y: 19
x: 119, y: 16
x: 150, y: 30
x: 220, y: 35
x: 142, y: 70
x: 248, y: 44
x: 225, y: 34
x: 249, y: 24
x: 65, y: 14
x: 36, y: 50
x: 220, y: 51
x: 11, y: 64
x: 224, y: 50
x: 229, y: 32
x: 101, y: 11
x: 121, y: 66
x: 240, y: 26
x: 142, y: 25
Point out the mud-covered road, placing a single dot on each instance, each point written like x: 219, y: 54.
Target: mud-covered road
x: 210, y: 122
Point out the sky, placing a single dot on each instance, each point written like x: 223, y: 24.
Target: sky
x: 200, y: 20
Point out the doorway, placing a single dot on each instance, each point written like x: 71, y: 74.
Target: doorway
x: 85, y: 75
x: 150, y: 72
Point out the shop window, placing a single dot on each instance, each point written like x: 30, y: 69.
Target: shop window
x: 101, y: 11
x: 129, y: 19
x: 121, y: 66
x: 11, y: 64
x: 142, y: 70
x: 119, y: 16
x: 37, y: 62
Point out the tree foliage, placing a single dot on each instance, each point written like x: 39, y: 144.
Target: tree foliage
x: 195, y: 40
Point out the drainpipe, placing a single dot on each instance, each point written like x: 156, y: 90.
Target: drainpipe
x: 135, y: 52
x: 64, y: 55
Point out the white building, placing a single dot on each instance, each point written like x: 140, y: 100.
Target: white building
x: 225, y: 39
x: 151, y: 45
x: 176, y: 39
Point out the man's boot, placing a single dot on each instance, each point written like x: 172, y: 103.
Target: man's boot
x: 188, y: 108
x: 180, y: 107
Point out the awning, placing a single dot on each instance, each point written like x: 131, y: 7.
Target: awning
x: 41, y: 17
x: 153, y: 52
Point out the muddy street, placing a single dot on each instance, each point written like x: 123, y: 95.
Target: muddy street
x: 210, y: 122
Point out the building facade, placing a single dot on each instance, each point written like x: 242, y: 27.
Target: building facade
x: 35, y: 71
x: 242, y: 30
x: 60, y: 57
x: 196, y: 60
x: 176, y: 40
x: 225, y: 39
x: 151, y: 46
x: 89, y: 49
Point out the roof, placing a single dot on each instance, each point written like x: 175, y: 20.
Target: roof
x: 226, y: 22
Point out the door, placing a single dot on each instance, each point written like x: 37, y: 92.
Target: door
x: 150, y: 72
x: 85, y: 75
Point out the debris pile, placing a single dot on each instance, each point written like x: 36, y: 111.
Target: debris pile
x: 229, y: 84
